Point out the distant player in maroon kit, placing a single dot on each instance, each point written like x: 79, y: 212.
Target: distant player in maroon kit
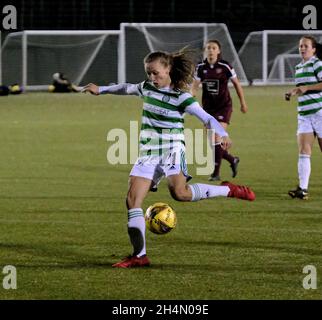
x: 214, y: 74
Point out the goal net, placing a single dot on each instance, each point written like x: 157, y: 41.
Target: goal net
x: 138, y: 39
x: 31, y: 58
x: 283, y: 68
x: 269, y: 56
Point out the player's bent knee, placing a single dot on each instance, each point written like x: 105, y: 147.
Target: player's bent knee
x: 179, y: 194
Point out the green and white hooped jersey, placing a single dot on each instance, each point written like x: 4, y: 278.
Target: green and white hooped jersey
x: 308, y: 73
x: 162, y: 127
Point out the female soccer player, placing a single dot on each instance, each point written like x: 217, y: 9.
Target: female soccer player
x: 162, y: 148
x: 308, y: 78
x: 214, y: 74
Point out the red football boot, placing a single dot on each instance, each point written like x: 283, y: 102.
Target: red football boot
x: 133, y: 262
x: 240, y: 192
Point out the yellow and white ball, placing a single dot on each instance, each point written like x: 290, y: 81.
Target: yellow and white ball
x: 160, y: 218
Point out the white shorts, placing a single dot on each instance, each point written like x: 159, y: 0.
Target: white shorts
x: 311, y: 123
x: 156, y: 167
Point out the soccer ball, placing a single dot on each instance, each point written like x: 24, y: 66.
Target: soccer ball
x: 160, y: 218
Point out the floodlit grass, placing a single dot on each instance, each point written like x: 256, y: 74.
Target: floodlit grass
x: 63, y: 217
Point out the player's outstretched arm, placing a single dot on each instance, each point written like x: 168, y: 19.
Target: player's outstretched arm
x: 210, y: 122
x: 119, y: 89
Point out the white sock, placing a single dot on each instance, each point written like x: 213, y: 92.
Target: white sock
x: 304, y: 170
x: 203, y: 191
x: 136, y: 230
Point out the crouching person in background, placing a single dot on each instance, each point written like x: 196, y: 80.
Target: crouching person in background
x: 61, y: 84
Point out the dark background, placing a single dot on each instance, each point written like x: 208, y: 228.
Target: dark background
x: 241, y: 17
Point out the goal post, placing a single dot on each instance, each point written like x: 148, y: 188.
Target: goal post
x: 283, y: 71
x: 0, y: 59
x: 32, y: 57
x: 138, y: 39
x: 263, y: 50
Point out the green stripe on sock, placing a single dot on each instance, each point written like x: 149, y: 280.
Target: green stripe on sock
x: 197, y: 191
x: 134, y: 214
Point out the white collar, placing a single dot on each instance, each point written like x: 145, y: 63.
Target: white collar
x: 312, y: 58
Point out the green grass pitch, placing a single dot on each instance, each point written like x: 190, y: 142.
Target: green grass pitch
x: 63, y: 217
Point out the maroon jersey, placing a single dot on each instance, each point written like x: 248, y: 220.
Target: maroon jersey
x: 214, y: 78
